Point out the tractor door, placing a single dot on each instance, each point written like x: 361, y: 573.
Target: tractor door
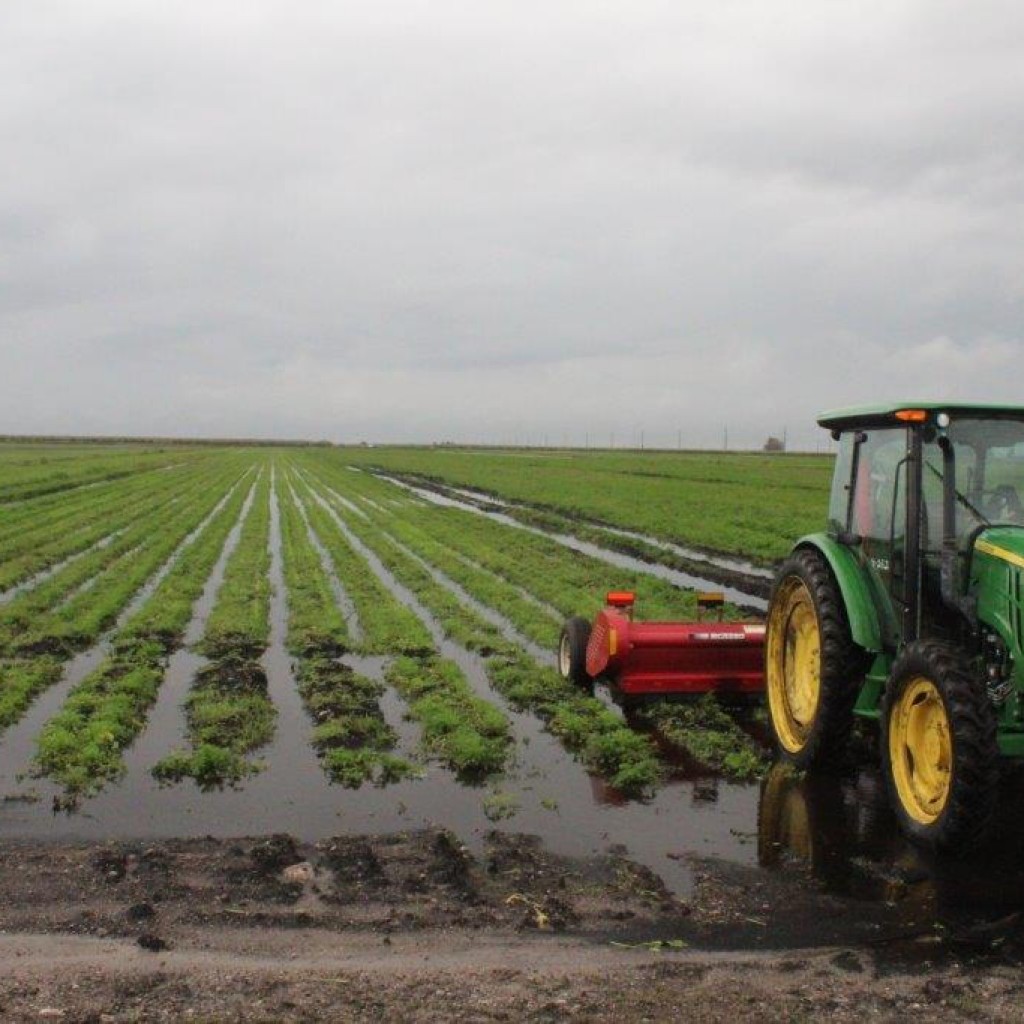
x: 878, y: 521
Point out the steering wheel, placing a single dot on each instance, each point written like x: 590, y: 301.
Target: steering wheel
x: 1003, y: 503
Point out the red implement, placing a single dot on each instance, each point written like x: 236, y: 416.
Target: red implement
x: 660, y: 658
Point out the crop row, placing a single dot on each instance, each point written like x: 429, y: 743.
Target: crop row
x: 32, y: 657
x: 53, y: 537
x: 228, y: 711
x: 26, y: 473
x: 62, y: 614
x: 462, y: 730
x: 603, y: 741
x: 571, y: 582
x: 701, y: 500
x: 351, y: 736
x: 81, y: 746
x: 128, y: 529
x: 706, y: 732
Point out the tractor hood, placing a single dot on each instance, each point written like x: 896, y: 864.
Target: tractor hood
x: 997, y: 581
x: 1004, y: 543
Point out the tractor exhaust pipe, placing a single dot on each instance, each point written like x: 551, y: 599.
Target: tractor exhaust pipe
x: 949, y: 563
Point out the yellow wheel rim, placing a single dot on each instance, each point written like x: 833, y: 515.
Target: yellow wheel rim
x: 784, y: 818
x: 921, y: 750
x: 793, y: 663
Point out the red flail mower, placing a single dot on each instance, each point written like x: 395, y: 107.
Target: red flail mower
x: 659, y: 659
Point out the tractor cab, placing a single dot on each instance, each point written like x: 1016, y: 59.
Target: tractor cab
x: 914, y: 493
x: 909, y: 609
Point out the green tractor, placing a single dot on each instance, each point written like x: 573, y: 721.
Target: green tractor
x: 909, y: 609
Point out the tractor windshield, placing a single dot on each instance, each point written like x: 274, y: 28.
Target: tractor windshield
x: 989, y: 484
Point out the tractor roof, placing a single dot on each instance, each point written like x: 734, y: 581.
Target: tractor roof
x: 886, y: 415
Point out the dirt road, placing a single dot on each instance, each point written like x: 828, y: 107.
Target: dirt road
x: 411, y: 927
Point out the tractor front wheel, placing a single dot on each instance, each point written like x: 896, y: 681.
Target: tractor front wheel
x: 572, y: 651
x: 812, y: 666
x: 939, y: 749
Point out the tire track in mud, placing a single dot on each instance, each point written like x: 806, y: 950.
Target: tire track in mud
x: 17, y: 744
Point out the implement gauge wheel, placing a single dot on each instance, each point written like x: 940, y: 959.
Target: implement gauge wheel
x: 940, y: 757
x: 572, y: 651
x: 812, y: 667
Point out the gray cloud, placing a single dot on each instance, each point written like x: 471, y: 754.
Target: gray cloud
x: 505, y: 221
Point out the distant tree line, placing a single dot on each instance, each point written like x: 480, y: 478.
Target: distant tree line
x: 184, y: 442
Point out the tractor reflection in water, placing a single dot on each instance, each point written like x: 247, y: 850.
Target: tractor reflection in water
x: 842, y: 831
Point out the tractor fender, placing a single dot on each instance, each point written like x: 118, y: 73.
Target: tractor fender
x: 860, y: 606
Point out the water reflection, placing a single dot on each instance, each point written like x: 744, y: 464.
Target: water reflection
x: 840, y: 830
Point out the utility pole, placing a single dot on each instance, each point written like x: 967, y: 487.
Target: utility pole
x: 679, y: 439
x: 641, y: 440
x: 725, y: 445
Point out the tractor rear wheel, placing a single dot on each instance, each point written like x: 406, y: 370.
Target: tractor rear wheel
x: 940, y: 757
x: 812, y: 666
x: 572, y: 651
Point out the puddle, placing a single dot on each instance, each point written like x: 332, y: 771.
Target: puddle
x: 841, y: 832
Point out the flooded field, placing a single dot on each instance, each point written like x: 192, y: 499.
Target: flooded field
x: 239, y: 643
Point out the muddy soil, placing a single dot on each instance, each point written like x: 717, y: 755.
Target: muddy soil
x: 411, y: 926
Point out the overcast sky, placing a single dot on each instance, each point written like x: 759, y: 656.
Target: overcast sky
x: 505, y: 221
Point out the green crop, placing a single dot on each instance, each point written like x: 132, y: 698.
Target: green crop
x: 465, y: 732
x: 51, y: 638
x: 604, y: 742
x: 462, y: 730
x: 351, y: 737
x: 80, y: 747
x: 709, y: 735
x: 705, y: 500
x: 387, y: 626
x: 228, y: 710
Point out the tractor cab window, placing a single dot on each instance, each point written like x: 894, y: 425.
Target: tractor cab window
x: 879, y: 489
x: 839, y: 502
x: 989, y: 477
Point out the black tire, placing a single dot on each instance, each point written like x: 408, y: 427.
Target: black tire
x: 964, y: 815
x: 817, y: 735
x: 572, y: 651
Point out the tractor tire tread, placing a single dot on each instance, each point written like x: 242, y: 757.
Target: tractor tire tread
x: 577, y: 629
x: 965, y: 822
x: 842, y: 663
